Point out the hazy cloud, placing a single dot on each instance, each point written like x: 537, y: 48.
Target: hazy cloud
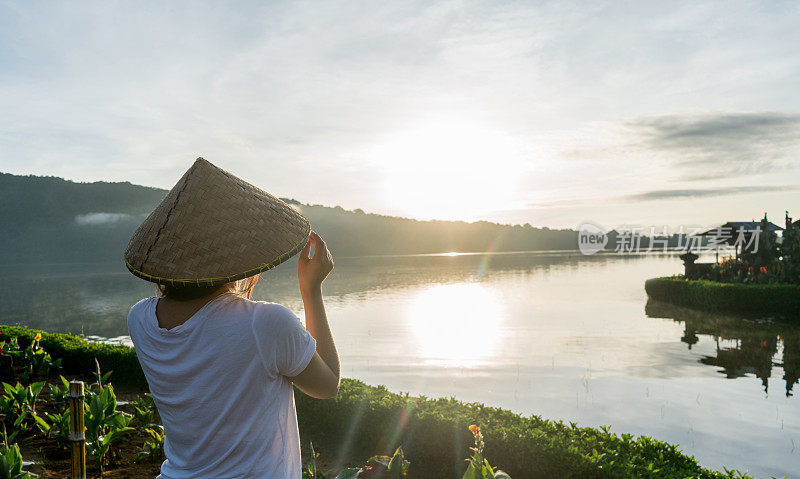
x: 712, y: 146
x: 101, y: 218
x: 708, y: 192
x: 664, y: 194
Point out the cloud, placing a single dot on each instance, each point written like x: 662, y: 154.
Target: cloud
x: 566, y: 203
x: 722, y: 145
x: 708, y: 192
x: 297, y: 97
x: 92, y: 219
x: 662, y: 194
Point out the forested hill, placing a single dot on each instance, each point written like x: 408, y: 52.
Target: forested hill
x: 48, y: 219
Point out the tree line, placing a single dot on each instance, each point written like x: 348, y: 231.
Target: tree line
x: 49, y: 219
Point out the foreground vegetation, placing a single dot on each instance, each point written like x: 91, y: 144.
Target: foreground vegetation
x: 435, y: 435
x: 718, y: 296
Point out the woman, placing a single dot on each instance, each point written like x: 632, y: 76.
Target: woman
x: 221, y: 367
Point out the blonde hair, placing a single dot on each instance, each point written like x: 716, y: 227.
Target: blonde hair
x: 243, y: 287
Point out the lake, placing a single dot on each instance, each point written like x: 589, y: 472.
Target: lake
x: 560, y: 335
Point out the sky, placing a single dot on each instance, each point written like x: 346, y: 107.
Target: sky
x: 549, y: 113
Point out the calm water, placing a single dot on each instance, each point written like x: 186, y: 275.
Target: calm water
x: 559, y: 335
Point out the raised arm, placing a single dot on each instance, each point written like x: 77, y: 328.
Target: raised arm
x: 320, y: 378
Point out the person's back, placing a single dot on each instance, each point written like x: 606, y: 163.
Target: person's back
x: 221, y: 368
x: 220, y: 383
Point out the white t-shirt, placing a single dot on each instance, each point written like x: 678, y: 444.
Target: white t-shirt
x: 220, y: 383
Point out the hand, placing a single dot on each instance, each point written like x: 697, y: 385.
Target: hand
x: 312, y: 271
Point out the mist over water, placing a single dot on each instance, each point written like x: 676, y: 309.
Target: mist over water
x: 560, y: 335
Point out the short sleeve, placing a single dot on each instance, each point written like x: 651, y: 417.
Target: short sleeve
x: 136, y: 316
x: 285, y: 346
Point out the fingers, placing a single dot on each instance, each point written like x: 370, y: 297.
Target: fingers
x: 304, y: 253
x: 315, y: 238
x: 321, y: 253
x: 320, y: 248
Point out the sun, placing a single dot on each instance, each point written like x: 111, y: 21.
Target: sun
x: 448, y: 169
x: 456, y: 325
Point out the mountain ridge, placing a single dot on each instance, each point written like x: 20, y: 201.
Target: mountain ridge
x: 51, y: 219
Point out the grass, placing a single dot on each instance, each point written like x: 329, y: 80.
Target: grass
x: 366, y: 420
x: 736, y: 297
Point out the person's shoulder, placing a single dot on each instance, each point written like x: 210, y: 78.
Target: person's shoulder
x: 273, y: 313
x: 141, y: 305
x: 138, y: 310
x: 273, y: 309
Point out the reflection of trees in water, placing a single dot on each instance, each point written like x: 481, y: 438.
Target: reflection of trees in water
x: 755, y: 343
x: 370, y: 274
x: 791, y: 360
x: 95, y: 298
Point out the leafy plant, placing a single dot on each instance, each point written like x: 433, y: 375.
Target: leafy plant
x: 23, y: 398
x: 153, y: 449
x: 11, y: 460
x: 391, y: 467
x: 11, y: 463
x: 9, y: 350
x: 478, y: 467
x: 10, y: 347
x: 16, y: 426
x: 97, y: 386
x: 60, y: 394
x: 105, y: 425
x: 144, y: 411
x: 58, y: 428
x: 17, y: 403
x: 311, y: 471
x: 34, y: 359
x: 395, y: 467
x: 351, y: 473
x: 101, y: 447
x: 37, y: 360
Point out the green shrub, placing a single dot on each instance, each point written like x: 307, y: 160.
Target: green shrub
x: 78, y: 355
x: 713, y: 296
x: 434, y: 435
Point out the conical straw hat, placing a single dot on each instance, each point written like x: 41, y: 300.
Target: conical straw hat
x: 213, y: 228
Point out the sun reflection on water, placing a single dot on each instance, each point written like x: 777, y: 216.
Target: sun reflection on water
x: 456, y: 324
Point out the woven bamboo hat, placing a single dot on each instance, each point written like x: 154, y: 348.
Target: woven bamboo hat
x: 213, y: 228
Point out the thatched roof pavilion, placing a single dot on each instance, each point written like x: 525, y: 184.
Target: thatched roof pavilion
x: 740, y: 233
